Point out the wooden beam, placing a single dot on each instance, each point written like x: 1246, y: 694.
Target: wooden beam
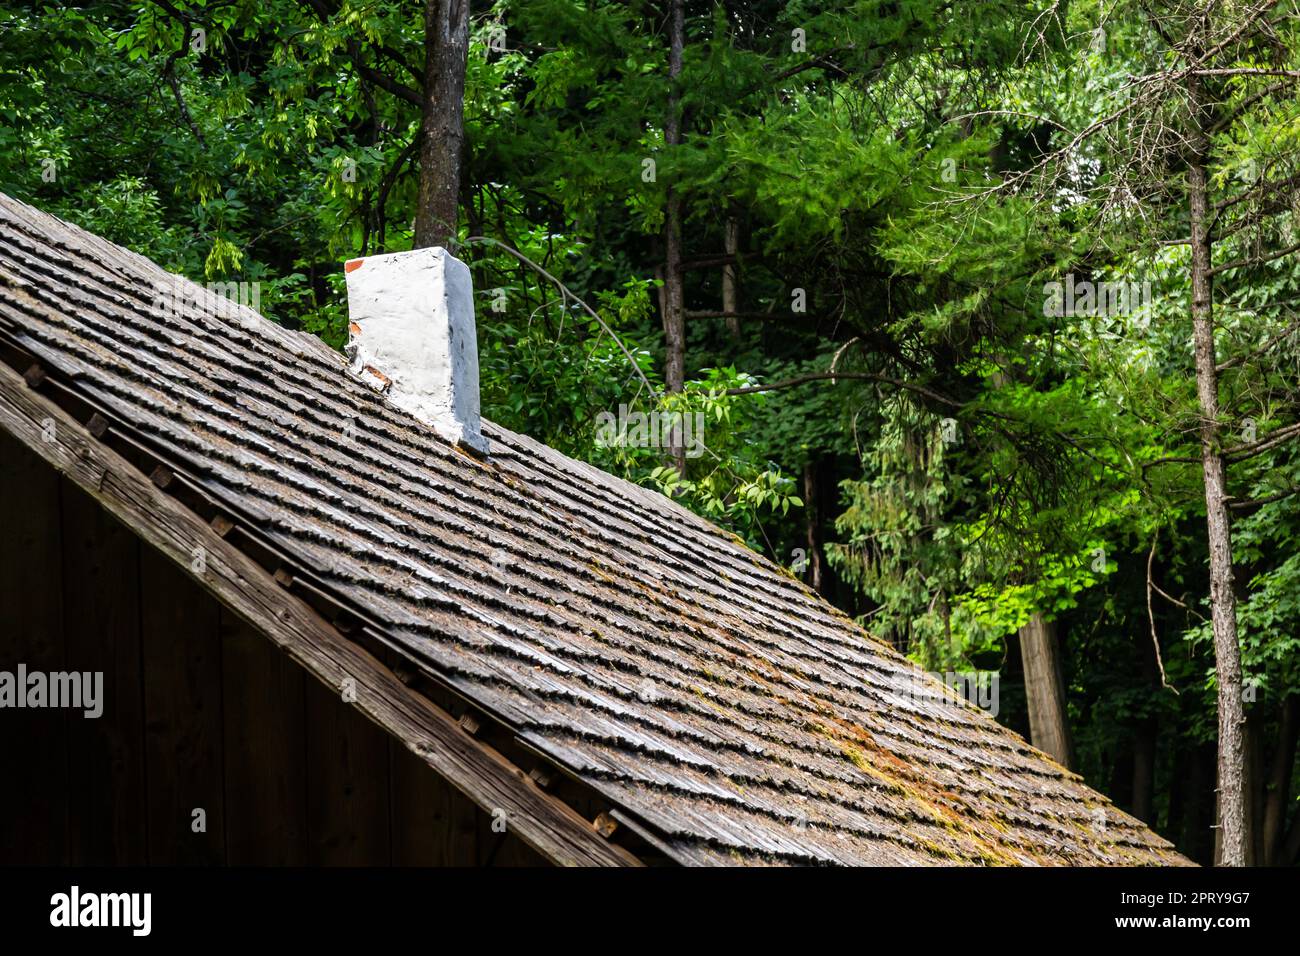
x: 540, y: 776
x: 549, y: 826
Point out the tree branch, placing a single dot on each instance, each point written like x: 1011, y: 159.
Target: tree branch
x: 1254, y: 260
x: 835, y: 376
x: 1251, y: 449
x: 169, y: 69
x: 369, y: 73
x: 568, y: 295
x: 1151, y: 617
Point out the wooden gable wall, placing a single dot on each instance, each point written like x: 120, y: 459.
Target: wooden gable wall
x: 200, y: 711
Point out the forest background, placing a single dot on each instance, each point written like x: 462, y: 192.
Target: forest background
x: 988, y: 308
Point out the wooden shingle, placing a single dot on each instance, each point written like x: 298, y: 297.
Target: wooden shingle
x: 727, y: 712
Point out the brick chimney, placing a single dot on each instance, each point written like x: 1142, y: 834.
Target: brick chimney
x: 411, y: 337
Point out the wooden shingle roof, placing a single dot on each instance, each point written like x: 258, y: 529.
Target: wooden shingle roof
x: 727, y: 711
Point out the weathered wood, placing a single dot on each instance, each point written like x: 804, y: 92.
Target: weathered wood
x: 540, y: 776
x: 495, y: 847
x: 33, y: 743
x: 544, y: 823
x: 182, y: 701
x: 265, y: 757
x: 101, y: 562
x: 414, y: 797
x: 433, y: 823
x: 347, y: 783
x: 514, y: 852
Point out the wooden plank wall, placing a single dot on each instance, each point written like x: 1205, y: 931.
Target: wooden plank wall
x: 35, y: 744
x: 201, y: 713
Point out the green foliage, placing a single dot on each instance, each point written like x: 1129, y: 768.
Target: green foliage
x: 980, y: 459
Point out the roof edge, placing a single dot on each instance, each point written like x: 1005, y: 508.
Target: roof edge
x: 544, y: 822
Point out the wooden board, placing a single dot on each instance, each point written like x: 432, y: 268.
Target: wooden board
x: 183, y: 726
x: 101, y: 564
x: 477, y: 770
x: 433, y: 823
x: 265, y: 757
x: 419, y: 811
x: 347, y: 783
x: 34, y: 742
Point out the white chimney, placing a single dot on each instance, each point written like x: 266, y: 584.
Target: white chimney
x: 411, y: 336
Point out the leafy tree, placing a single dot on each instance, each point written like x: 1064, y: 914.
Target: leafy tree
x: 832, y: 230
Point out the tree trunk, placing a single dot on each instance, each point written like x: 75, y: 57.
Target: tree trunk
x: 674, y: 306
x: 812, y: 526
x: 1049, y: 727
x: 1178, y: 795
x: 1144, y: 769
x: 1254, y: 786
x: 442, y: 129
x: 1291, y: 848
x: 731, y: 242
x: 1223, y: 601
